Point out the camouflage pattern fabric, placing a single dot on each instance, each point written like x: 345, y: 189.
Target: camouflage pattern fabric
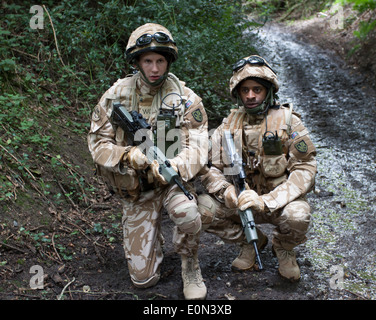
x: 291, y: 222
x: 282, y: 180
x: 133, y: 50
x: 107, y: 143
x: 143, y: 197
x: 253, y: 71
x: 143, y: 240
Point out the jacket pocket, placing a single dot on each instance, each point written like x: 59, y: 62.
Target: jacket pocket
x: 273, y: 166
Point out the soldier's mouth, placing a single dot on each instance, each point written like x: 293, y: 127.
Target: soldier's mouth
x: 154, y: 78
x: 251, y: 105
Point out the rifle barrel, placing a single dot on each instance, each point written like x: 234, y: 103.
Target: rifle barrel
x: 246, y: 216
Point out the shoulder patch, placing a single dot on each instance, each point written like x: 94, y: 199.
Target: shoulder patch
x: 301, y: 146
x: 96, y: 113
x: 197, y: 115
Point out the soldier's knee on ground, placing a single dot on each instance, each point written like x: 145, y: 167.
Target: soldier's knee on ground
x: 184, y: 213
x: 207, y: 208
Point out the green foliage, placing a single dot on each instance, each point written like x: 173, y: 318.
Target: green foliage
x: 210, y: 39
x: 361, y: 5
x: 365, y: 27
x: 52, y: 77
x: 290, y: 9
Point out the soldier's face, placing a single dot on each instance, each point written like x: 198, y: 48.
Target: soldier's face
x: 252, y: 93
x: 154, y: 65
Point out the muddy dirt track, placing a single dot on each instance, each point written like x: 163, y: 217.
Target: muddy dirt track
x: 337, y: 262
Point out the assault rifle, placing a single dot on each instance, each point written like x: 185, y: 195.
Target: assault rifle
x: 136, y: 129
x: 238, y: 173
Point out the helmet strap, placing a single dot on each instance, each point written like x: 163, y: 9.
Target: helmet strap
x: 263, y: 106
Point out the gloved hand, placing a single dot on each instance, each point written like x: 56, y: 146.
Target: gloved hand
x: 230, y: 197
x: 250, y: 199
x: 137, y: 160
x: 154, y: 166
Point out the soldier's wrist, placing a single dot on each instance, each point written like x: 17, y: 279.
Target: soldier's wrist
x: 219, y: 195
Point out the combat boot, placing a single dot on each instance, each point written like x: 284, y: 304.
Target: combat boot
x: 288, y: 267
x: 247, y: 256
x: 194, y: 286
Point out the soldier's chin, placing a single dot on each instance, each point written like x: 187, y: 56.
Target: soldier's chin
x: 252, y: 106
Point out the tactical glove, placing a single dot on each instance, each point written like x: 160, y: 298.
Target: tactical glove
x: 154, y: 166
x: 137, y: 160
x: 230, y: 197
x: 250, y: 199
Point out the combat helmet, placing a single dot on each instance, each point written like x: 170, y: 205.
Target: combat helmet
x: 151, y: 37
x: 257, y: 67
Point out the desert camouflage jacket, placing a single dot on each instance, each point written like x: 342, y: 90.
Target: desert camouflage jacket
x: 107, y: 142
x: 279, y: 179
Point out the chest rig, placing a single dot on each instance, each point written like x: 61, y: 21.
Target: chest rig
x: 264, y: 145
x: 163, y: 108
x: 164, y: 111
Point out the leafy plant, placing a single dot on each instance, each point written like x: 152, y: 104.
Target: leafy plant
x: 283, y: 10
x: 365, y: 27
x: 53, y: 77
x: 361, y: 5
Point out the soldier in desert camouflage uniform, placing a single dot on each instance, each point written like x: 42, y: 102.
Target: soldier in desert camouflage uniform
x: 144, y: 191
x: 280, y: 165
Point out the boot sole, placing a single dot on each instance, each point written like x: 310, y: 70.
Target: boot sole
x: 292, y: 280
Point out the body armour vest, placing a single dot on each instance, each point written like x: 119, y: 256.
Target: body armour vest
x: 134, y: 95
x: 259, y: 134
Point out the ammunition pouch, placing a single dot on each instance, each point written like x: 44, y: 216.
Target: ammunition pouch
x: 118, y: 183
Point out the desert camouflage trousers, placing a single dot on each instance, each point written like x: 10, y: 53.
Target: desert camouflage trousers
x: 143, y: 239
x: 292, y: 221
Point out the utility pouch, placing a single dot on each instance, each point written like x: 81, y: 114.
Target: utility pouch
x: 273, y: 166
x: 271, y: 143
x: 274, y: 162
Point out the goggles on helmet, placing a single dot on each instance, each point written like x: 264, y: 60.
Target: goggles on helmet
x: 253, y: 61
x: 146, y: 39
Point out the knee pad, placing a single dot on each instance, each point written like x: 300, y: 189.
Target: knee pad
x: 207, y: 208
x: 184, y: 213
x: 295, y: 221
